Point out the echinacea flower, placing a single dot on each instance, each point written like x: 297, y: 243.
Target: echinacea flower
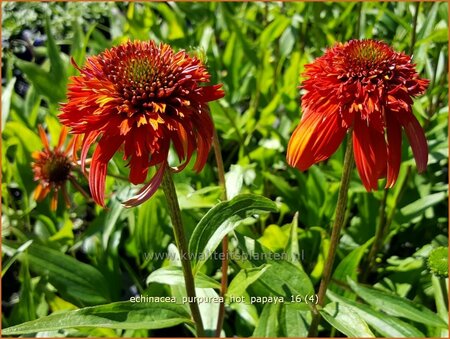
x: 362, y: 86
x: 52, y: 168
x: 140, y: 97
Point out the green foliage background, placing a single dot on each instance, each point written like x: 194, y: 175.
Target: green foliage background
x: 88, y: 256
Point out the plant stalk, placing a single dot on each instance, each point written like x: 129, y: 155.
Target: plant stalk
x: 341, y: 206
x: 181, y: 242
x: 224, y: 268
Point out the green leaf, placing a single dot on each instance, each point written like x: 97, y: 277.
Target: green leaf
x: 222, y: 219
x: 120, y: 315
x: 419, y: 206
x: 173, y: 275
x: 79, y: 44
x: 209, y: 310
x: 274, y: 238
x: 57, y: 65
x: 397, y: 306
x: 438, y: 36
x: 346, y: 321
x: 175, y: 23
x: 26, y: 308
x: 268, y: 325
x: 295, y: 320
x: 79, y: 283
x: 282, y: 278
x: 6, y: 100
x: 384, y: 324
x: 30, y: 141
x: 65, y: 234
x: 440, y: 291
x: 245, y: 278
x: 7, y: 264
x: 42, y: 81
x: 349, y: 267
x: 292, y: 248
x: 273, y: 31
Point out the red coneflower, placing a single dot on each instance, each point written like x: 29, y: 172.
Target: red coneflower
x: 366, y: 86
x: 144, y: 97
x: 52, y: 168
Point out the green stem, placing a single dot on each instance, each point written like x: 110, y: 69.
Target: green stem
x: 224, y: 269
x: 341, y: 206
x: 181, y: 242
x: 79, y: 188
x: 220, y: 166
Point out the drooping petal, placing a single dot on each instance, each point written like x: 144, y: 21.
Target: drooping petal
x: 88, y: 140
x: 54, y: 201
x: 105, y: 150
x: 369, y: 147
x: 204, y: 135
x: 416, y: 138
x: 149, y: 189
x: 183, y: 143
x: 138, y: 169
x: 41, y: 192
x: 394, y: 141
x: 180, y: 141
x: 315, y: 139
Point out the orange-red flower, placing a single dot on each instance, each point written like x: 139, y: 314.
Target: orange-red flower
x: 140, y: 97
x: 52, y: 168
x: 364, y: 86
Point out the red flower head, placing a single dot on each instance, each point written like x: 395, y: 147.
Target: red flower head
x: 52, y: 169
x: 364, y: 85
x: 140, y: 97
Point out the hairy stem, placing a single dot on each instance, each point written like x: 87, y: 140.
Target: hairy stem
x: 181, y: 242
x: 341, y: 206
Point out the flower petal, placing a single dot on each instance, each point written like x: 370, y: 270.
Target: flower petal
x: 369, y: 147
x: 315, y: 139
x: 54, y: 201
x: 149, y: 189
x: 41, y: 192
x: 394, y: 155
x: 88, y: 140
x: 180, y: 140
x: 105, y: 150
x: 416, y: 138
x: 138, y: 169
x: 43, y: 138
x: 62, y: 138
x: 211, y: 93
x: 204, y: 135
